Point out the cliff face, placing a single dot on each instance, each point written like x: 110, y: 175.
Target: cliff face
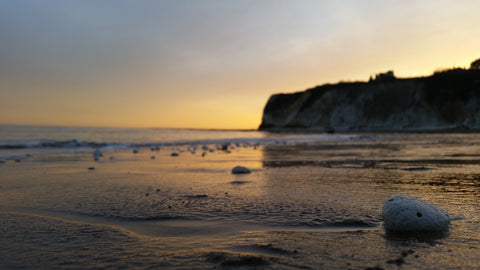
x: 449, y: 99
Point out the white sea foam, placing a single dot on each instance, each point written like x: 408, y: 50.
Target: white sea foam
x: 15, y: 140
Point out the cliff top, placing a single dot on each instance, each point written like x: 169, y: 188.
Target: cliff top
x: 445, y: 99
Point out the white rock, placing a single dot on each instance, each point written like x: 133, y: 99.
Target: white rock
x: 240, y: 169
x: 404, y: 213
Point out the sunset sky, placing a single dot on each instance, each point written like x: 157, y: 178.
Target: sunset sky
x: 210, y: 63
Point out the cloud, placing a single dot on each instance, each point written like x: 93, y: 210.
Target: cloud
x: 88, y: 51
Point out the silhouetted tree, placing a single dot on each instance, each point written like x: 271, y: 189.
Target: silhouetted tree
x: 475, y: 64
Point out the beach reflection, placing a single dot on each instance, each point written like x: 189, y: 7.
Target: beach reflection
x: 361, y: 174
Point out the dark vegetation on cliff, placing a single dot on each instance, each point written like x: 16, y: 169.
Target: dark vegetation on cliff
x: 448, y: 99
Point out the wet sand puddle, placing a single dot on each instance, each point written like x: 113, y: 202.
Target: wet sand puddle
x: 303, y: 206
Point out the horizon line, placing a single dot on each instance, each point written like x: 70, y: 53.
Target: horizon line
x: 129, y: 127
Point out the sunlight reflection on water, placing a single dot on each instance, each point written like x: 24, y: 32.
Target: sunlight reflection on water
x: 304, y: 205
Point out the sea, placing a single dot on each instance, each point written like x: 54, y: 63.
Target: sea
x: 154, y: 198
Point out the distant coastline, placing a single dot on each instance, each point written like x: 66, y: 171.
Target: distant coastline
x: 447, y: 101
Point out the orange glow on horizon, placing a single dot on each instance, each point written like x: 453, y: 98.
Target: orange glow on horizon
x: 159, y: 68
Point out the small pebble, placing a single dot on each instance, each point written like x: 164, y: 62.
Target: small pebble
x: 240, y: 170
x: 174, y: 154
x: 91, y: 168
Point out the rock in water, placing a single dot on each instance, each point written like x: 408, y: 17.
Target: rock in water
x: 240, y: 169
x: 404, y: 213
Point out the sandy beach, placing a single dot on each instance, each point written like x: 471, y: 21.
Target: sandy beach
x: 303, y: 206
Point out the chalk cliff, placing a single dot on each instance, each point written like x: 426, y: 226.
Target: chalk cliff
x: 445, y: 100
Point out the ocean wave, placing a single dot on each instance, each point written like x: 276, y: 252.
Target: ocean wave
x: 76, y: 143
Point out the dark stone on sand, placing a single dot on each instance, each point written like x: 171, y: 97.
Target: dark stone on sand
x: 240, y: 170
x: 225, y: 146
x: 2, y: 161
x: 174, y: 154
x: 135, y: 151
x: 152, y: 157
x: 91, y: 168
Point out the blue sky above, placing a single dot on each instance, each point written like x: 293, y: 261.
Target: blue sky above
x: 210, y: 63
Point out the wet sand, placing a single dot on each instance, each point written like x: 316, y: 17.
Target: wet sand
x: 304, y: 206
